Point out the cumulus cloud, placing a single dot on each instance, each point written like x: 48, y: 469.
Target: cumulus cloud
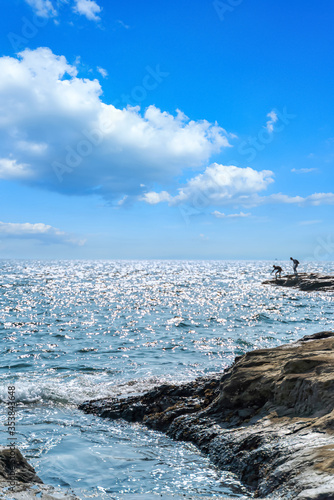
x: 41, y: 232
x: 88, y: 8
x: 219, y: 185
x: 57, y: 133
x: 222, y: 185
x: 43, y: 8
x: 220, y: 215
x: 9, y: 168
x: 153, y: 198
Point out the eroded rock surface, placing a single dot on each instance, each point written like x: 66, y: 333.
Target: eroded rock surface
x: 268, y: 418
x: 305, y: 282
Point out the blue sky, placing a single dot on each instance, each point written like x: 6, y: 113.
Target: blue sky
x: 166, y: 129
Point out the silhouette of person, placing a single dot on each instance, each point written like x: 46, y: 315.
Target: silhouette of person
x: 278, y: 270
x: 295, y: 264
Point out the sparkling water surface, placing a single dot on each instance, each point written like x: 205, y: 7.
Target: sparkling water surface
x: 78, y: 330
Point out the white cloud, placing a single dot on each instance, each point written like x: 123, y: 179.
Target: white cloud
x: 46, y: 8
x: 282, y: 198
x: 273, y: 118
x: 58, y: 134
x: 41, y: 232
x: 224, y: 185
x: 102, y: 71
x: 220, y: 215
x: 11, y: 169
x: 320, y: 199
x: 55, y: 124
x: 153, y: 198
x: 313, y: 199
x: 88, y: 8
x: 43, y: 8
x: 303, y: 170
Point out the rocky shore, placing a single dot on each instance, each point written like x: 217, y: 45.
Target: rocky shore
x: 269, y: 418
x: 28, y: 485
x: 305, y: 282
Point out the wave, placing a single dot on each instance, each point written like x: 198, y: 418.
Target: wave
x: 69, y: 390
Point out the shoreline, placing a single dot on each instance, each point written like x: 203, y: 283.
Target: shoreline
x: 268, y: 418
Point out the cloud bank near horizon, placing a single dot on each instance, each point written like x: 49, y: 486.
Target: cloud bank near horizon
x: 228, y: 185
x: 42, y: 232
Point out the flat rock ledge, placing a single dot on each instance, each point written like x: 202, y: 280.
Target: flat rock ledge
x: 305, y: 282
x: 268, y: 418
x: 28, y: 485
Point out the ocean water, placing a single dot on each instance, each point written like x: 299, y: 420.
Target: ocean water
x: 77, y: 330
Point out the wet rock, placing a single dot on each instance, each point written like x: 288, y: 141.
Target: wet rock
x: 26, y: 485
x: 24, y: 472
x: 268, y: 418
x: 305, y: 282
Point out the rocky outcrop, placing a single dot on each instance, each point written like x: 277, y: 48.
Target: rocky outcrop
x: 24, y: 472
x: 268, y: 418
x: 305, y: 282
x: 24, y: 484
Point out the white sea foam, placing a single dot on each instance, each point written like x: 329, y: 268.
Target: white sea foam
x: 75, y: 390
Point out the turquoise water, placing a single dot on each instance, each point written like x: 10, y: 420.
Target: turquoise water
x: 77, y: 330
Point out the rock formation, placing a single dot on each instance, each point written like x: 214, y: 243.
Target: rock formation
x: 28, y: 485
x: 305, y: 282
x: 24, y: 472
x: 269, y: 418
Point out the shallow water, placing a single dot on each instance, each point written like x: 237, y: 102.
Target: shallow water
x: 77, y: 330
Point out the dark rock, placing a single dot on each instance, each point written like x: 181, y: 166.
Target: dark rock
x: 268, y: 418
x: 24, y: 472
x: 305, y: 282
x: 24, y: 484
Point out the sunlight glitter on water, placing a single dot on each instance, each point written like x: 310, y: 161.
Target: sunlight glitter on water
x: 73, y: 331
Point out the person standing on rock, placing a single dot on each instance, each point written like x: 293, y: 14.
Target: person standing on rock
x: 295, y: 264
x: 278, y: 270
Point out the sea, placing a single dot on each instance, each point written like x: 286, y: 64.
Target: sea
x: 71, y: 331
